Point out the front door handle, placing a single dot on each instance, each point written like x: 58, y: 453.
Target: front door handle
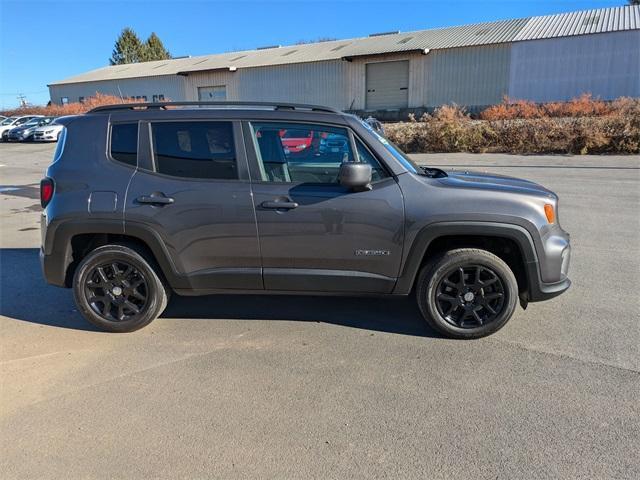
x: 279, y: 205
x: 155, y: 199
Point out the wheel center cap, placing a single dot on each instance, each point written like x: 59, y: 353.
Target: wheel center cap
x: 117, y: 291
x: 469, y: 296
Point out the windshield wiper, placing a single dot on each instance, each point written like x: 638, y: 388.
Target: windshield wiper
x: 433, y: 172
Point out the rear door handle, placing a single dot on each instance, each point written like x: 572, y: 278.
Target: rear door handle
x: 279, y: 205
x: 155, y: 200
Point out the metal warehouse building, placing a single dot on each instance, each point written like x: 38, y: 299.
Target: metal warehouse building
x: 554, y: 57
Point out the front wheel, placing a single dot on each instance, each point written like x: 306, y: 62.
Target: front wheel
x: 467, y: 293
x: 117, y: 290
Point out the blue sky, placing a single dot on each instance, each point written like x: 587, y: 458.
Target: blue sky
x: 44, y: 41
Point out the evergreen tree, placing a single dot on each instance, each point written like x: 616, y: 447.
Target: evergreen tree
x: 153, y: 49
x: 128, y: 48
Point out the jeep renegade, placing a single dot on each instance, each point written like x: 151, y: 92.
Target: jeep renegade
x: 204, y: 198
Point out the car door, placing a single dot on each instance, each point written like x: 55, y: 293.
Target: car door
x: 315, y: 234
x: 192, y: 190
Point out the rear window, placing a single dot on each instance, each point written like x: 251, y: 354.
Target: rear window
x: 195, y: 149
x: 124, y: 143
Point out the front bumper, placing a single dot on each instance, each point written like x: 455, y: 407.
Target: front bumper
x: 19, y: 138
x: 51, y: 137
x: 553, y: 265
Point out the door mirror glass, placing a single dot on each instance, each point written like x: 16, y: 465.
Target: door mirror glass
x: 356, y: 176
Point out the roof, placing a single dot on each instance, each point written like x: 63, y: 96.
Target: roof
x: 581, y: 23
x: 503, y: 31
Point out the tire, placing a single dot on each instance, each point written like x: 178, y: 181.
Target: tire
x: 122, y: 278
x: 479, y: 306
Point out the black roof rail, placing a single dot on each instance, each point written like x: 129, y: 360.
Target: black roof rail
x: 166, y: 105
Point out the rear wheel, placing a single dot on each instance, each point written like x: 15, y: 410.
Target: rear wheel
x: 467, y: 293
x: 117, y: 290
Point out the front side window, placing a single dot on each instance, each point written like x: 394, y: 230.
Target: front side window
x: 306, y: 153
x: 124, y: 143
x: 195, y: 149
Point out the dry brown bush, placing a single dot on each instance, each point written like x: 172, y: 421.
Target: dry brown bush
x: 70, y: 108
x: 585, y: 126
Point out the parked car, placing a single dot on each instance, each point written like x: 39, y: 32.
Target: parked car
x: 296, y: 141
x: 12, y: 122
x: 25, y: 132
x: 2, y: 118
x: 48, y: 133
x: 141, y: 202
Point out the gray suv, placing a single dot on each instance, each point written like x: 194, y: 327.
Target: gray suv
x: 142, y: 200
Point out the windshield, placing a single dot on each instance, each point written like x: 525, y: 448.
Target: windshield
x: 8, y: 121
x: 33, y: 122
x: 395, y: 151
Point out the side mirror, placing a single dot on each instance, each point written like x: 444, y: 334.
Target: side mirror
x: 356, y: 176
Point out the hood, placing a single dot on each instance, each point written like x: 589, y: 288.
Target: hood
x: 489, y: 181
x: 48, y: 126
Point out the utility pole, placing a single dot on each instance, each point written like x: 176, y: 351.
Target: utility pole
x: 22, y: 99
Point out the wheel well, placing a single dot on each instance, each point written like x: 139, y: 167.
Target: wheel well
x: 83, y: 244
x: 505, y: 248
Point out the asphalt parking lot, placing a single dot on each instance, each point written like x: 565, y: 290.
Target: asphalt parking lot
x: 264, y: 387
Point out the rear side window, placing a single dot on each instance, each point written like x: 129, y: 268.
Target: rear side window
x: 195, y: 149
x: 124, y: 143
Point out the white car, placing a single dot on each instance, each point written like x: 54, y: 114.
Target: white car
x: 47, y: 133
x: 13, y: 122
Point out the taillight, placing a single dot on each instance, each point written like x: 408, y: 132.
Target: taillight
x: 46, y: 191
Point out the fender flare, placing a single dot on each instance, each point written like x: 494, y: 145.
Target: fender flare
x: 433, y: 231
x: 58, y: 252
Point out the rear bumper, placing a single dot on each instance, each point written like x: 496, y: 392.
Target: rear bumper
x: 53, y: 268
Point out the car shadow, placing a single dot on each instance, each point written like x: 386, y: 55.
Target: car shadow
x: 25, y: 296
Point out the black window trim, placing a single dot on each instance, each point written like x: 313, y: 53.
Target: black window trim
x: 115, y: 160
x: 241, y: 163
x: 254, y: 169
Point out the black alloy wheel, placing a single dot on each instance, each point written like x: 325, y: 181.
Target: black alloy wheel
x: 117, y: 291
x: 467, y: 293
x: 470, y: 296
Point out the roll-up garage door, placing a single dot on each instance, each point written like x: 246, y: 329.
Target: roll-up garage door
x: 387, y: 85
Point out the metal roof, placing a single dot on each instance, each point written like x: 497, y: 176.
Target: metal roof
x: 504, y: 31
x: 581, y: 23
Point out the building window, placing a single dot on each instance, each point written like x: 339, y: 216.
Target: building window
x: 64, y: 100
x: 217, y: 93
x: 158, y: 98
x: 81, y: 99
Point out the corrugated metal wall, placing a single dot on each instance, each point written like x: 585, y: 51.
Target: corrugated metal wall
x: 466, y: 76
x: 171, y: 86
x: 322, y: 83
x: 606, y: 65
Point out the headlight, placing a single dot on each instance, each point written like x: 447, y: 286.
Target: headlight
x: 48, y: 131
